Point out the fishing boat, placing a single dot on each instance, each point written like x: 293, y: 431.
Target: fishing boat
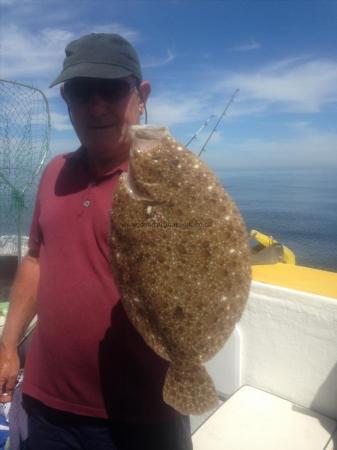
x: 274, y: 263
x: 277, y: 374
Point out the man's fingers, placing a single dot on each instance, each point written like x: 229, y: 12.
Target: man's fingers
x: 6, y: 394
x: 7, y: 390
x: 9, y: 367
x: 6, y: 397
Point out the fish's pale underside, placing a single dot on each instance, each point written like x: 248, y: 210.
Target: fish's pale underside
x: 179, y: 252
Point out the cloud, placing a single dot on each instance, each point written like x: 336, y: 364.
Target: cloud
x: 34, y: 14
x: 286, y: 63
x: 160, y: 61
x: 12, y: 2
x: 302, y: 126
x: 58, y: 146
x: 27, y: 55
x: 305, y: 148
x: 291, y: 85
x: 163, y: 110
x: 114, y: 27
x: 197, y: 144
x: 52, y: 93
x: 60, y: 122
x: 243, y: 108
x: 252, y: 45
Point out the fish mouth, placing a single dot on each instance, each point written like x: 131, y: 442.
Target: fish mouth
x: 132, y: 187
x: 143, y: 138
x: 146, y: 135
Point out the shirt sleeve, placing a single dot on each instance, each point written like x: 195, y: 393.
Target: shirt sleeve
x: 35, y: 235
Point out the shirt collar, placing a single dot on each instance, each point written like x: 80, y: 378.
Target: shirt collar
x: 78, y: 155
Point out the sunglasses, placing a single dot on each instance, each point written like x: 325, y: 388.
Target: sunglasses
x: 81, y: 90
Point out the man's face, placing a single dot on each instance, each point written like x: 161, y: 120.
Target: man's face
x: 102, y: 111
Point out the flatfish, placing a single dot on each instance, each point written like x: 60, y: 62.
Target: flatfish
x: 180, y: 256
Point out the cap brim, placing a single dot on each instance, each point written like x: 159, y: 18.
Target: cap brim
x: 91, y: 70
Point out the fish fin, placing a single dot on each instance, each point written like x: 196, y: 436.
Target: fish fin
x: 189, y: 391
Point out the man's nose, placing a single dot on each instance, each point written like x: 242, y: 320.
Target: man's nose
x: 97, y: 105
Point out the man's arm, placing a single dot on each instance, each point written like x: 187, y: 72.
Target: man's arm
x: 22, y: 309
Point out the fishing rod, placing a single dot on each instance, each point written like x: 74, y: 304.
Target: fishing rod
x: 195, y: 135
x: 219, y: 120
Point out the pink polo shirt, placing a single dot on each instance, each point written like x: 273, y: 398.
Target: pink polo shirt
x: 85, y: 357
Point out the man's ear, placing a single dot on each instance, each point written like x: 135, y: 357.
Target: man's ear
x: 144, y: 91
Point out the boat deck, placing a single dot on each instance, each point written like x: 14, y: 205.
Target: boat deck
x: 255, y: 419
x: 305, y: 279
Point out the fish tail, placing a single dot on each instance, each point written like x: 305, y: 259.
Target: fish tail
x: 189, y: 390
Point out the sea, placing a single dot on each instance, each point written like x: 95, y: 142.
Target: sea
x: 297, y: 207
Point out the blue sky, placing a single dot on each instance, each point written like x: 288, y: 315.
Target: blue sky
x: 281, y: 55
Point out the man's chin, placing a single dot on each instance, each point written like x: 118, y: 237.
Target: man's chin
x: 106, y: 150
x: 101, y: 127
x: 106, y: 142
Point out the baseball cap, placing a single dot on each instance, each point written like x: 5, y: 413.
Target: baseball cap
x: 99, y: 55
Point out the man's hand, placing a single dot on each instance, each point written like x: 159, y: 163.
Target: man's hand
x: 22, y: 308
x: 9, y: 368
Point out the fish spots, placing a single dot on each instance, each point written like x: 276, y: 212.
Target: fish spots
x: 161, y: 259
x: 179, y: 312
x: 149, y: 210
x: 182, y: 249
x: 205, y: 249
x: 179, y: 277
x: 175, y: 162
x: 156, y: 157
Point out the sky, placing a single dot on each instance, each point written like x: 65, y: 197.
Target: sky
x: 281, y: 55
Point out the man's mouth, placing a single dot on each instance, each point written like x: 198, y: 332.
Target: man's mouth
x: 99, y: 127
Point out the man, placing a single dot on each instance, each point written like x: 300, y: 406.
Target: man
x: 90, y: 380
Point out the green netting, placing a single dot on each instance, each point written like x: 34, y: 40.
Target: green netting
x: 24, y: 143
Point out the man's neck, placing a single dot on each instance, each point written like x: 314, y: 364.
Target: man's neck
x: 102, y: 166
